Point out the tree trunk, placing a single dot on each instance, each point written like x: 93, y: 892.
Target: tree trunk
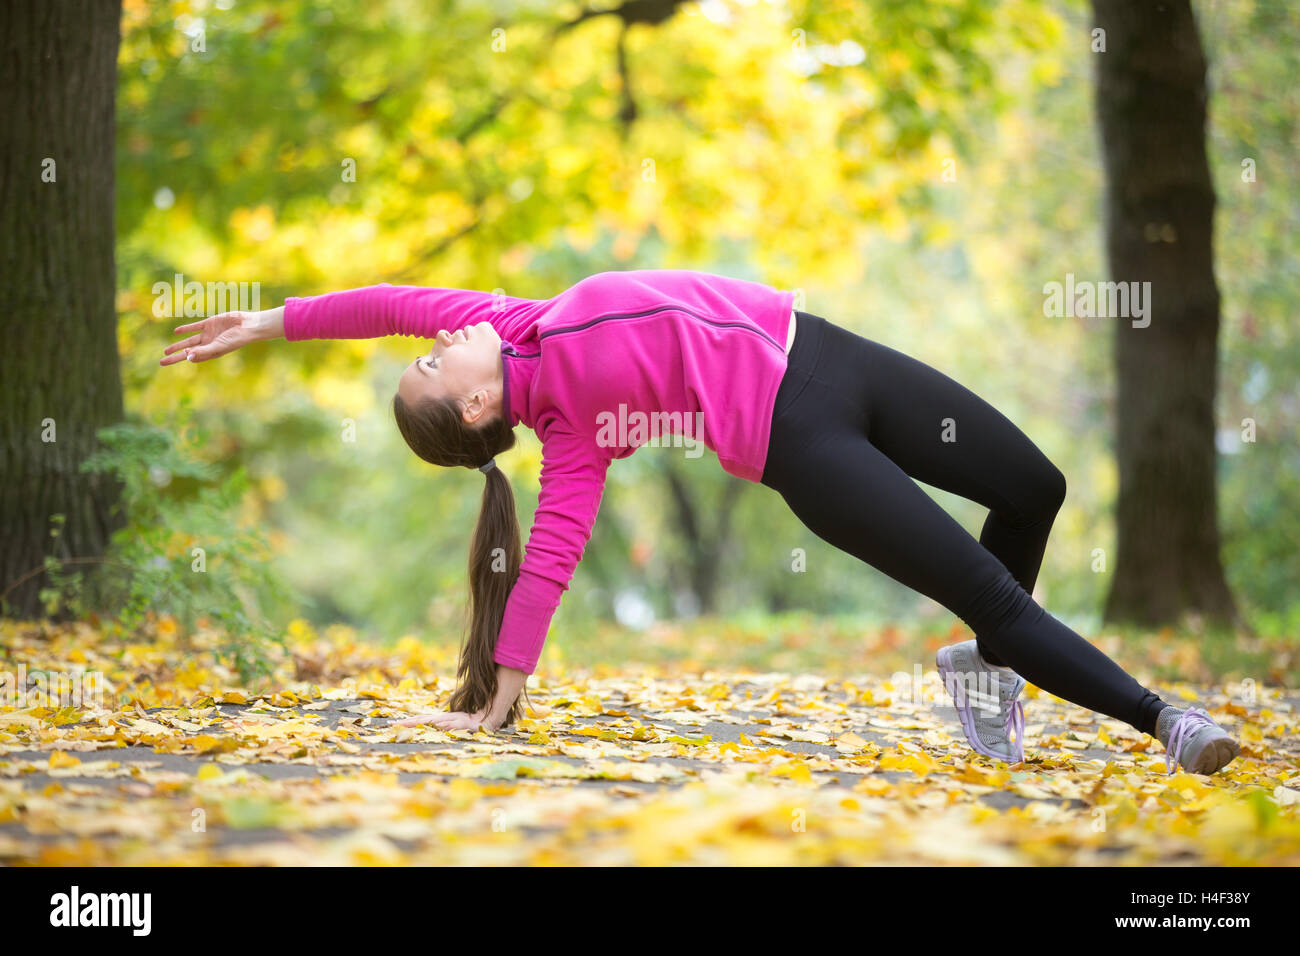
x: 59, y: 364
x: 1151, y: 109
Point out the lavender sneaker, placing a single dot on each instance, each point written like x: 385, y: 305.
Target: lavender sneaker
x: 985, y: 698
x: 1193, y: 740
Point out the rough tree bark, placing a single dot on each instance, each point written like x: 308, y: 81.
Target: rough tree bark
x: 59, y: 364
x: 1151, y: 102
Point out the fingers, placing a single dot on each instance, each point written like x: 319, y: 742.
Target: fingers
x: 200, y: 353
x: 443, y: 721
x: 426, y: 719
x: 172, y: 360
x: 175, y: 346
x: 186, y: 349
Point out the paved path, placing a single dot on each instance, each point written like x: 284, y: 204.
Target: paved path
x: 762, y: 768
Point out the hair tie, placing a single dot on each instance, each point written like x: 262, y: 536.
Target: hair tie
x: 492, y: 463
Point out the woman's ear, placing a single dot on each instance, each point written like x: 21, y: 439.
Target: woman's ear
x: 480, y: 404
x: 474, y: 406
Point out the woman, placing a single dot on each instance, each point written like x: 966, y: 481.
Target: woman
x: 834, y: 422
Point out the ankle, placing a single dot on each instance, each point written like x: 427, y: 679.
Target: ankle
x: 1165, y: 722
x: 987, y: 663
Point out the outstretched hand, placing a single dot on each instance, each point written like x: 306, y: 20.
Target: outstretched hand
x: 451, y: 720
x: 214, y: 336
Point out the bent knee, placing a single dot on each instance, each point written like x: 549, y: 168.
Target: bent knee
x: 1054, y: 488
x: 1038, y: 499
x: 1046, y: 497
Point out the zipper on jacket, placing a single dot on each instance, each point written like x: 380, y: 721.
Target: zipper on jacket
x: 663, y: 308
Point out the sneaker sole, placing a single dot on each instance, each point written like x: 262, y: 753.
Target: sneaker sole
x: 944, y: 662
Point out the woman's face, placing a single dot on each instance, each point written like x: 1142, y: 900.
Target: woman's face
x: 465, y: 365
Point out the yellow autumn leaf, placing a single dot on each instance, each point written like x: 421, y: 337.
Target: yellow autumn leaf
x: 849, y: 743
x: 202, y: 743
x: 796, y: 770
x: 919, y: 763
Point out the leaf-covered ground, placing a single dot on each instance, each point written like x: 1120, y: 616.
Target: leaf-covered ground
x: 642, y: 766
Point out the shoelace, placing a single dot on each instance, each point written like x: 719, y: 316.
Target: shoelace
x: 1182, y: 730
x: 1016, y: 722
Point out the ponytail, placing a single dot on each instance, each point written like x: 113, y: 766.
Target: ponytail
x: 494, y: 558
x: 435, y: 431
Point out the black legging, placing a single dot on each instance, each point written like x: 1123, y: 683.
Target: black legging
x: 853, y: 419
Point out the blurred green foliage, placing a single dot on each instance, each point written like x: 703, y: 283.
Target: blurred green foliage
x: 188, y: 553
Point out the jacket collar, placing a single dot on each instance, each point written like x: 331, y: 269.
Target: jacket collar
x: 517, y: 373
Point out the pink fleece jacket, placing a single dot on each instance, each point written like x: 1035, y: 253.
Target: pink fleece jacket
x: 615, y: 361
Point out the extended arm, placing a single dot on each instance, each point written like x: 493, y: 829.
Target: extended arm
x: 368, y: 312
x: 379, y: 310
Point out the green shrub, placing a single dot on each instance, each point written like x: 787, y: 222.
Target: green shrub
x: 183, y: 548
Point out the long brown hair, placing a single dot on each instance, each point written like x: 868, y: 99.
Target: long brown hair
x: 435, y: 431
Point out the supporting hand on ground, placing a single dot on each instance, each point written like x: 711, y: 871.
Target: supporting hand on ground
x: 452, y: 720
